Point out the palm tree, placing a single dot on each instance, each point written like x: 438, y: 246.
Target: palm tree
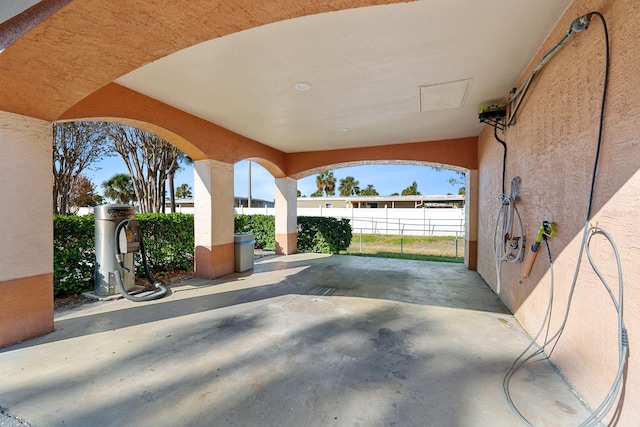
x: 177, y: 158
x: 411, y: 190
x: 326, y: 183
x: 119, y: 188
x: 183, y: 192
x: 349, y: 187
x: 369, y: 191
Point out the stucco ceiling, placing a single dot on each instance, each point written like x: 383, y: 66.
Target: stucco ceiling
x: 365, y: 68
x: 396, y: 73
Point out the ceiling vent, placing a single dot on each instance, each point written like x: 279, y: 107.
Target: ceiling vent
x: 443, y: 96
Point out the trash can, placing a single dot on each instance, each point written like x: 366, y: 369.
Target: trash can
x: 243, y: 251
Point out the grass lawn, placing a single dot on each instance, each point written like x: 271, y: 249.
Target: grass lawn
x: 424, y: 248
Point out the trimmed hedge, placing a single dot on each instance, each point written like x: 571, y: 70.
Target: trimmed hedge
x: 315, y: 234
x: 263, y: 228
x: 323, y: 235
x: 73, y: 254
x: 169, y: 242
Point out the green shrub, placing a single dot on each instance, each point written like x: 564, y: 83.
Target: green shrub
x: 315, y: 234
x: 73, y: 254
x: 169, y: 241
x: 323, y: 235
x: 263, y: 228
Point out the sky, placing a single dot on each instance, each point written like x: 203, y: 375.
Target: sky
x: 386, y: 179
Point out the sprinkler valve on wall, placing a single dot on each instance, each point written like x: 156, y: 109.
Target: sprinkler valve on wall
x: 547, y: 230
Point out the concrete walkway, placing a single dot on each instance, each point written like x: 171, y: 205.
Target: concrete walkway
x: 306, y: 340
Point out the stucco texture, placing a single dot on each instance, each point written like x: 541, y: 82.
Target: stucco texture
x: 552, y: 148
x: 26, y: 228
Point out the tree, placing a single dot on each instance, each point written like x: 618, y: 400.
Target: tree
x: 411, y: 190
x: 179, y: 157
x: 76, y: 145
x: 349, y: 186
x: 119, y: 188
x: 459, y: 180
x: 184, y: 192
x: 369, y: 191
x: 317, y: 194
x: 82, y: 193
x: 298, y: 193
x: 326, y: 183
x: 149, y: 159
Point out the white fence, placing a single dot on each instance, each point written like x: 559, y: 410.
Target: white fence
x: 399, y: 221
x: 414, y: 222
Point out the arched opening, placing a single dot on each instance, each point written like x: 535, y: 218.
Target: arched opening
x: 122, y: 161
x: 397, y: 208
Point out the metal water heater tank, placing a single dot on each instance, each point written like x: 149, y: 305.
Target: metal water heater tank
x: 107, y: 218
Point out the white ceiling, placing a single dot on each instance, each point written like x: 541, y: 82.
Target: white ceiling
x: 365, y: 67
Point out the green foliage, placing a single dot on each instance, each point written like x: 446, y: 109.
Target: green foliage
x: 326, y: 183
x: 369, y: 191
x: 73, y: 254
x: 119, y: 188
x: 323, y: 235
x: 315, y: 234
x: 411, y: 190
x: 263, y: 228
x: 168, y: 240
x: 184, y: 192
x: 349, y: 186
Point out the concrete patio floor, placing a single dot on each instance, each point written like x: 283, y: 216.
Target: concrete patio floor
x: 305, y: 340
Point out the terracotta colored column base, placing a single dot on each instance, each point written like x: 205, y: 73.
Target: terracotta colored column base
x: 27, y: 308
x: 471, y: 254
x: 216, y: 261
x: 286, y: 244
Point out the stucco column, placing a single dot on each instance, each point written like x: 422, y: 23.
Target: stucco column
x: 213, y: 191
x: 26, y: 228
x: 286, y: 216
x: 471, y: 223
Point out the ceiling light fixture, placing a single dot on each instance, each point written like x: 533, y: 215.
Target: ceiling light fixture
x: 302, y: 86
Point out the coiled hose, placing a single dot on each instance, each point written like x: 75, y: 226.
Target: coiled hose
x: 508, y: 243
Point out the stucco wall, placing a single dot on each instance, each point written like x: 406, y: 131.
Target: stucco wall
x: 26, y: 228
x: 552, y: 148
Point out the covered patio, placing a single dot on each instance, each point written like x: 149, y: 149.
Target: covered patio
x: 302, y: 87
x: 306, y: 340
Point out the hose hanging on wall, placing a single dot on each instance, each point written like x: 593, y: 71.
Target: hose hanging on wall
x: 610, y: 398
x: 508, y: 236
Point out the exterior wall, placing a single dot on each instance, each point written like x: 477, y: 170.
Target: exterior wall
x: 26, y: 245
x: 552, y: 148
